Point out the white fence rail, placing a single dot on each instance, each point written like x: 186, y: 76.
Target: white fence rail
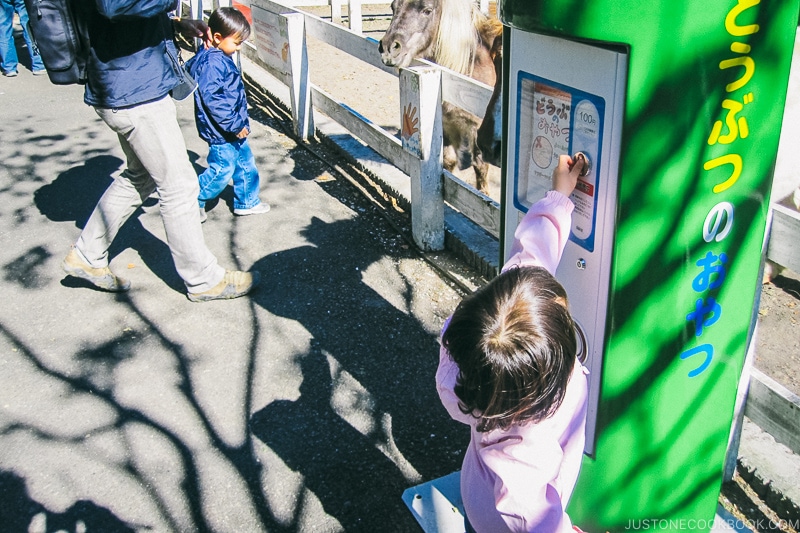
x: 784, y: 237
x: 355, y: 20
x: 354, y: 15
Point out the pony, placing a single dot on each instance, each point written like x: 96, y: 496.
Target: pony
x: 456, y: 35
x: 490, y: 132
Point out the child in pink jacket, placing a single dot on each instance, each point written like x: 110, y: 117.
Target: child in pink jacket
x: 509, y: 368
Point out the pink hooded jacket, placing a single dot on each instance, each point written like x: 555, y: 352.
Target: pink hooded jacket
x: 521, y: 479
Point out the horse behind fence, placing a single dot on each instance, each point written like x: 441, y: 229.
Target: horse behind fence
x: 457, y: 35
x: 490, y: 132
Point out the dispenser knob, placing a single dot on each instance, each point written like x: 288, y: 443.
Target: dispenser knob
x: 584, y: 160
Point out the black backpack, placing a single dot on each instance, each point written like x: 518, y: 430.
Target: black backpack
x: 59, y: 29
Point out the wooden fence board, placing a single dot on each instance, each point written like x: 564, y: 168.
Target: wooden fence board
x: 774, y: 409
x: 376, y: 137
x: 784, y: 237
x: 353, y: 43
x: 468, y: 94
x: 472, y: 203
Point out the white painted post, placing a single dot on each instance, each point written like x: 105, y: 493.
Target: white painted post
x: 421, y: 133
x: 196, y: 11
x: 300, y: 87
x: 354, y: 16
x: 336, y: 11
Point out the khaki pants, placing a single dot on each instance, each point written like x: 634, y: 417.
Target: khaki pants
x: 157, y: 161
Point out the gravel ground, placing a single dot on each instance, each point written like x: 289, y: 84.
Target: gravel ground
x: 778, y: 350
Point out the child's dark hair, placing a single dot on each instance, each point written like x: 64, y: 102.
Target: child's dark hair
x: 229, y: 21
x: 515, y: 345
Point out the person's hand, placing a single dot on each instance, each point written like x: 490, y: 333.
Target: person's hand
x: 191, y: 28
x: 244, y: 133
x: 565, y: 175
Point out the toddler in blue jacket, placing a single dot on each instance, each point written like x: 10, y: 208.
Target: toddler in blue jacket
x: 221, y: 116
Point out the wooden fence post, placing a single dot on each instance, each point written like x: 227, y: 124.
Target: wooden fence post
x: 196, y: 12
x: 742, y: 390
x: 336, y: 11
x: 421, y: 132
x: 280, y: 41
x: 196, y: 9
x: 354, y: 16
x: 302, y: 115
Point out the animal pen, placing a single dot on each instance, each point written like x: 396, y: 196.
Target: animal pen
x: 278, y: 46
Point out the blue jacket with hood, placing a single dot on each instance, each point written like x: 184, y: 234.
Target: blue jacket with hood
x: 220, y: 102
x: 133, y: 59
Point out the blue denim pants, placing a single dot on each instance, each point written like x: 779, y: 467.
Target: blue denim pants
x: 231, y: 161
x: 8, y: 51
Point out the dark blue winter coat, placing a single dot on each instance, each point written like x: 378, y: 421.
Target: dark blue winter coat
x: 133, y: 58
x: 220, y: 103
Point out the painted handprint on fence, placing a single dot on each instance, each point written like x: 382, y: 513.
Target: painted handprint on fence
x: 410, y: 130
x: 410, y: 121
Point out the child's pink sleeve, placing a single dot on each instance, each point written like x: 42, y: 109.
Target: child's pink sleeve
x: 543, y: 233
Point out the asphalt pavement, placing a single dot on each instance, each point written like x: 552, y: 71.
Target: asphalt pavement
x: 309, y: 406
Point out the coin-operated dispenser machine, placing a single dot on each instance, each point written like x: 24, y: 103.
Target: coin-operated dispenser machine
x: 677, y: 107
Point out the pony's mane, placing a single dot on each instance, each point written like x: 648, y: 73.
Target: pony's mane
x: 458, y: 38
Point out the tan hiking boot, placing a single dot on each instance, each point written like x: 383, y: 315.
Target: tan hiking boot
x: 235, y: 283
x: 102, y: 278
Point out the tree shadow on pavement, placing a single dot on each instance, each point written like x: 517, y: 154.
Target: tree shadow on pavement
x: 172, y: 443
x: 339, y: 465
x: 73, y: 195
x: 387, y: 352
x: 19, y: 513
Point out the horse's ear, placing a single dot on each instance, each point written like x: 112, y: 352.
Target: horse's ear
x: 490, y: 30
x: 496, y: 25
x: 497, y: 46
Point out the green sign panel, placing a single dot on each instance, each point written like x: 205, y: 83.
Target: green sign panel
x: 705, y: 97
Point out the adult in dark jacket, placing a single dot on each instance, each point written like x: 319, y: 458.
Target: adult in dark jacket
x: 132, y: 69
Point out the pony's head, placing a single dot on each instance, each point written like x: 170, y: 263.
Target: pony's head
x: 490, y: 132
x: 442, y: 31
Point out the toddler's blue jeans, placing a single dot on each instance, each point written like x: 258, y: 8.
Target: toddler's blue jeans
x: 230, y: 161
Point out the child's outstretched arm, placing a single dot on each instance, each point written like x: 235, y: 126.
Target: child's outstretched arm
x: 541, y: 236
x: 565, y: 175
